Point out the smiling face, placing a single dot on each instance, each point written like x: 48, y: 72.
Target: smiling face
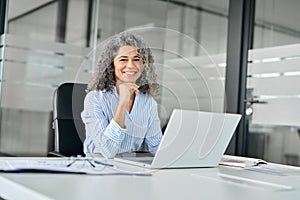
x: 127, y: 65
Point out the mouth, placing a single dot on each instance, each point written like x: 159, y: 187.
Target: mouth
x: 130, y: 73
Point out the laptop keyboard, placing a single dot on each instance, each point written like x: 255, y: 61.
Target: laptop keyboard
x: 146, y: 160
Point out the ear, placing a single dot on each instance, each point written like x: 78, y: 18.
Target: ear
x: 112, y: 67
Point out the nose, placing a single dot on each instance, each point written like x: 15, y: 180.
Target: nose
x: 131, y: 64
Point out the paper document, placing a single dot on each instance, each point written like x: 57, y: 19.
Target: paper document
x: 276, y: 169
x: 238, y: 161
x: 68, y: 165
x: 259, y: 165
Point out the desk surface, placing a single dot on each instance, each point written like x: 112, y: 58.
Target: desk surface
x: 204, y: 183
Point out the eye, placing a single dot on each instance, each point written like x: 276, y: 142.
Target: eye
x: 137, y: 59
x: 123, y: 60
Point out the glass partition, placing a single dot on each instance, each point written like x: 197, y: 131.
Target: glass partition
x: 273, y: 79
x: 35, y: 64
x: 3, y: 28
x: 54, y: 42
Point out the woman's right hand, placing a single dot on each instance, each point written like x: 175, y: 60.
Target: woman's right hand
x: 126, y: 90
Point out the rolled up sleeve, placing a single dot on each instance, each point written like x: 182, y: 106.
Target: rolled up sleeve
x: 103, y: 135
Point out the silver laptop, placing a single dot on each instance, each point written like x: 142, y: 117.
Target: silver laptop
x: 191, y: 139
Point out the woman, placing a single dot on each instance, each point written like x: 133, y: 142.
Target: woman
x: 119, y: 113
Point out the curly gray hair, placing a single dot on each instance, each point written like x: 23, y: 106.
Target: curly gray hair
x: 104, y: 75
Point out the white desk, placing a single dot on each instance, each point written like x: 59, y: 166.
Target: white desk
x: 204, y: 183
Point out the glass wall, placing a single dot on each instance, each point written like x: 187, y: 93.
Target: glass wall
x: 273, y: 80
x: 35, y: 64
x: 48, y: 43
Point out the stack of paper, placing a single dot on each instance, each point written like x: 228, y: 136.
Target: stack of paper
x: 69, y: 165
x: 237, y: 161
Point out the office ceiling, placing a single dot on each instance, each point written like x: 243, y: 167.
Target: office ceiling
x: 17, y: 7
x: 283, y: 13
x: 218, y: 4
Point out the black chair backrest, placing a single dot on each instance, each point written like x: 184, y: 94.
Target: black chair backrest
x: 68, y: 126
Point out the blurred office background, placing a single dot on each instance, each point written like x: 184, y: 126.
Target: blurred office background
x: 45, y: 42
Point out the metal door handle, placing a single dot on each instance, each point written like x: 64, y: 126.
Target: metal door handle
x: 254, y: 101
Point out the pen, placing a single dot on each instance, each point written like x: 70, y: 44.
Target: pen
x: 102, y: 163
x: 71, y: 163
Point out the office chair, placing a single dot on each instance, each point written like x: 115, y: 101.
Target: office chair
x: 69, y: 131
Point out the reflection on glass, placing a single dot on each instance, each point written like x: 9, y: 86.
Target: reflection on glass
x: 36, y: 64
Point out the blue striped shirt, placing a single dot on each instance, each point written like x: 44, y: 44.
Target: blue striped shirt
x: 105, y: 136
